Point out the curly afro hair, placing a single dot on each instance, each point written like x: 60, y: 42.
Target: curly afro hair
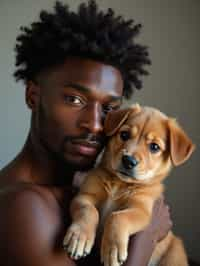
x: 88, y: 33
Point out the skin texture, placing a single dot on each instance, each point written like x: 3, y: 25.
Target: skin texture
x: 68, y: 104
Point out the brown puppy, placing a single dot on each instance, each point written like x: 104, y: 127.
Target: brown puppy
x: 120, y: 193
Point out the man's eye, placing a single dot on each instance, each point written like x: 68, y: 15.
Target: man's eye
x: 73, y: 100
x: 154, y: 147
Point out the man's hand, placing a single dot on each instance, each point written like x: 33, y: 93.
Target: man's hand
x: 143, y: 243
x: 161, y: 221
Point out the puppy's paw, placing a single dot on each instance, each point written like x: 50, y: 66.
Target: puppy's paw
x: 114, y: 248
x: 78, y: 241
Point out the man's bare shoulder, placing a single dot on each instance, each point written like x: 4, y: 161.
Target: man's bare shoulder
x: 31, y: 206
x: 32, y: 198
x: 31, y: 225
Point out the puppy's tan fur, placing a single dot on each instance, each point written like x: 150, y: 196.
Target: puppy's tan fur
x: 121, y: 201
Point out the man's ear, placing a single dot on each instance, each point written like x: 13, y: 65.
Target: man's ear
x: 32, y: 95
x: 115, y: 119
x: 181, y: 147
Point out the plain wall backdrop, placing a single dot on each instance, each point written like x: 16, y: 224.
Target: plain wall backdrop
x: 172, y: 32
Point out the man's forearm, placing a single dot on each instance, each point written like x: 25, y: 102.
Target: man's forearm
x: 140, y: 250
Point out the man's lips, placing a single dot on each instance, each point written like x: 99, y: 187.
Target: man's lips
x: 87, y: 148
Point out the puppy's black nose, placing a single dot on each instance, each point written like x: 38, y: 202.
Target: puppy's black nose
x: 129, y: 162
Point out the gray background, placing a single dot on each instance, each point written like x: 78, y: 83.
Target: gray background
x: 172, y: 31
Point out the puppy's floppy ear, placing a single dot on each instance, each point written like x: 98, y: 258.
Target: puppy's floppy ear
x: 115, y: 119
x: 181, y: 147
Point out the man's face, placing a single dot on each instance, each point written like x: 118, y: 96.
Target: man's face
x: 73, y: 101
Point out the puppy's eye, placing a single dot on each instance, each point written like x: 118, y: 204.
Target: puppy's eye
x: 154, y: 147
x: 125, y: 135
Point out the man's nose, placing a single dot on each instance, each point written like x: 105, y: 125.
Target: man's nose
x: 92, y: 118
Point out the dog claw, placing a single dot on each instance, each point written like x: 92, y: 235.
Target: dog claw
x: 77, y: 257
x: 65, y: 247
x: 121, y: 261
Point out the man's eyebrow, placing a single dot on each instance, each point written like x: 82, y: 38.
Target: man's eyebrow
x: 78, y: 87
x: 87, y: 90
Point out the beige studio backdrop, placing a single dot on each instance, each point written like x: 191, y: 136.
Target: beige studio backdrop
x: 172, y: 32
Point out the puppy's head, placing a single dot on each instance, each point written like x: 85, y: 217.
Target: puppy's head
x: 144, y: 144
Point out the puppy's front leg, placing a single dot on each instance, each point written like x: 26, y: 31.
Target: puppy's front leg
x: 119, y: 227
x: 80, y: 235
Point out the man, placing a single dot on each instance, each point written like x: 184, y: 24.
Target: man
x: 76, y: 68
